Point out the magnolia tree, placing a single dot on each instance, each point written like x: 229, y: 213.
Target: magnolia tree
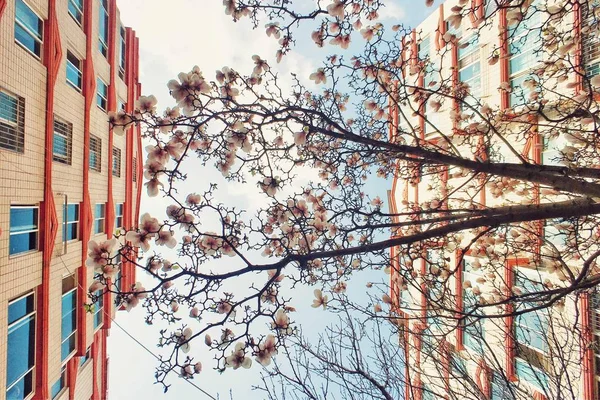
x: 310, y: 151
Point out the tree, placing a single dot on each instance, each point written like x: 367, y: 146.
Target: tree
x: 512, y: 191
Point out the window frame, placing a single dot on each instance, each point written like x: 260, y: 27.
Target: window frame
x: 66, y: 136
x: 78, y: 68
x: 116, y: 161
x: 101, y: 98
x: 97, y: 150
x: 67, y: 222
x: 119, y: 216
x: 6, y: 125
x: 62, y: 382
x: 71, y: 291
x: 99, y: 221
x: 466, y: 323
x: 28, y: 315
x: 103, y: 20
x: 470, y: 58
x: 39, y: 39
x: 78, y: 8
x: 122, y: 51
x: 98, y: 316
x: 37, y: 230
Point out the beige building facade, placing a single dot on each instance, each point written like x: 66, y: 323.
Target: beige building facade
x: 64, y: 179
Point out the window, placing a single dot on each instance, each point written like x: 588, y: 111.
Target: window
x: 473, y: 327
x: 86, y: 357
x: 435, y: 291
x: 500, y: 389
x: 20, y: 361
x: 469, y: 71
x: 99, y: 216
x: 76, y: 10
x: 69, y: 317
x: 98, y: 310
x: 12, y: 122
x: 120, y: 105
x: 60, y: 384
x: 457, y: 365
x: 23, y: 229
x: 101, y: 94
x: 530, y: 327
x: 551, y: 151
x: 490, y: 7
x: 134, y: 169
x: 590, y: 43
x: 122, y: 53
x: 554, y: 235
x: 119, y: 215
x: 530, y: 374
x: 74, y: 75
x: 525, y: 44
x: 62, y: 143
x: 29, y: 29
x: 424, y: 48
x: 71, y: 222
x: 103, y: 28
x: 95, y: 153
x: 116, y: 161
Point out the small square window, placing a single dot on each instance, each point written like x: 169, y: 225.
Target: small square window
x: 99, y: 218
x: 86, y: 357
x: 95, y: 162
x: 29, y: 29
x: 116, y: 161
x: 71, y: 222
x: 62, y: 143
x: 76, y: 10
x: 74, y: 74
x: 101, y: 94
x: 24, y: 229
x: 12, y: 122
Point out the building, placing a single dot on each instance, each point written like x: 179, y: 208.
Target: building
x: 516, y: 359
x: 64, y: 178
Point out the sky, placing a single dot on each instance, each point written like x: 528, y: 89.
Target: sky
x: 174, y: 36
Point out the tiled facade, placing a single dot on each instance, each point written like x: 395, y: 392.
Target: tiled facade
x: 49, y: 173
x: 434, y: 363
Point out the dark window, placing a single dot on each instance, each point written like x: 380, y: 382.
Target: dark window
x: 101, y: 94
x: 122, y: 53
x: 74, y: 75
x: 76, y: 10
x: 99, y: 218
x: 119, y: 215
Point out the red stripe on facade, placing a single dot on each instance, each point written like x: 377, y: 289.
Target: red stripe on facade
x: 587, y: 346
x: 579, y: 68
x: 2, y: 7
x: 104, y: 383
x: 89, y: 89
x: 441, y: 30
x: 459, y: 298
x: 95, y: 353
x: 52, y: 58
x: 72, y: 367
x: 504, y: 57
x: 112, y: 106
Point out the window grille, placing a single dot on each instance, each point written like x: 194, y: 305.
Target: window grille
x: 12, y: 122
x: 116, y: 161
x: 95, y: 153
x: 62, y: 144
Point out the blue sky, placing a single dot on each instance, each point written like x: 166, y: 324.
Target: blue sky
x: 174, y: 36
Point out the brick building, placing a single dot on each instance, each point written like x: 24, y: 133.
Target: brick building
x: 64, y: 179
x: 516, y: 360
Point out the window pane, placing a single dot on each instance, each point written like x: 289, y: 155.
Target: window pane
x: 23, y: 242
x: 23, y: 37
x: 22, y: 389
x: 28, y: 18
x: 8, y: 107
x: 59, y: 146
x: 21, y: 348
x: 73, y: 75
x: 20, y: 308
x: 23, y: 219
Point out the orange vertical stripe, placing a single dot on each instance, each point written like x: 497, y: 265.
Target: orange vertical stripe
x: 504, y: 58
